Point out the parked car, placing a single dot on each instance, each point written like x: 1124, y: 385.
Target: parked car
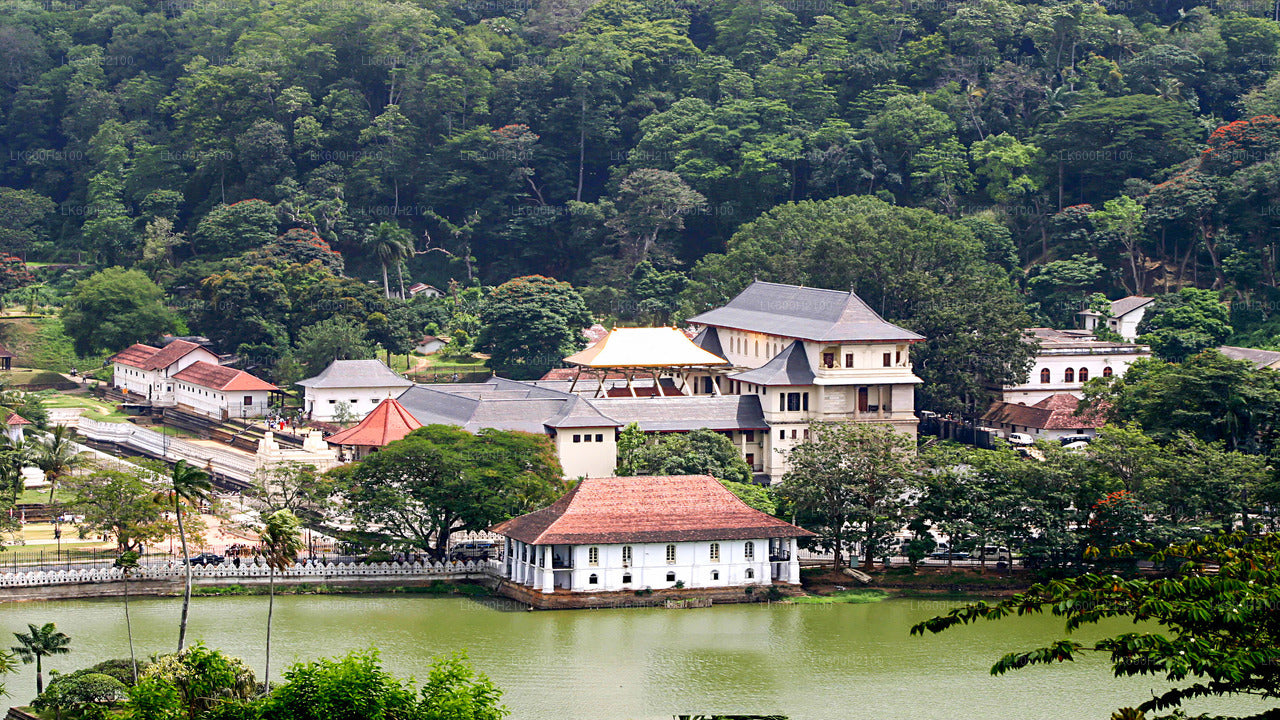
x: 206, y: 559
x: 1070, y: 439
x: 948, y: 555
x: 1021, y: 439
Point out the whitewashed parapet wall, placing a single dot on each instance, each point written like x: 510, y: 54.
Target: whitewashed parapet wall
x: 248, y: 571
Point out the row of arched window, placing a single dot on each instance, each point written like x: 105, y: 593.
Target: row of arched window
x: 1071, y: 374
x: 594, y: 579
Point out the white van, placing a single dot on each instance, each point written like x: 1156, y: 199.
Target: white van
x: 992, y: 553
x: 1021, y: 439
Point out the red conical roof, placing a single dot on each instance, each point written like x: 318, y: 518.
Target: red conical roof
x: 387, y: 423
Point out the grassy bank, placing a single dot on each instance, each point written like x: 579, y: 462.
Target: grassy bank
x: 42, y: 343
x: 854, y: 596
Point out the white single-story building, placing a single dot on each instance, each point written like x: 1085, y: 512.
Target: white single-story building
x: 1066, y: 360
x: 358, y: 384
x: 221, y: 392
x: 1126, y: 313
x: 430, y: 344
x: 632, y: 533
x: 147, y: 371
x: 425, y: 290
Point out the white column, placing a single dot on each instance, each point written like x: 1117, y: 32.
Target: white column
x: 793, y: 565
x: 548, y: 579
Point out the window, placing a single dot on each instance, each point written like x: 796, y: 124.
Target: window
x: 593, y: 579
x: 577, y: 438
x: 671, y: 577
x: 888, y: 359
x: 805, y: 400
x: 749, y: 551
x: 586, y: 438
x: 751, y: 436
x: 599, y: 437
x: 331, y: 402
x: 1084, y: 374
x: 751, y: 573
x: 1068, y: 375
x: 782, y: 402
x: 782, y: 434
x: 715, y: 574
x: 757, y: 348
x: 1044, y: 375
x: 626, y: 556
x: 626, y: 578
x: 1106, y: 371
x: 248, y: 399
x: 897, y: 357
x: 806, y: 433
x: 828, y: 360
x: 793, y: 401
x: 848, y: 360
x: 593, y: 556
x: 793, y: 434
x: 671, y: 554
x: 715, y: 552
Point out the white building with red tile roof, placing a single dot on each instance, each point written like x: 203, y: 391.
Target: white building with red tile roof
x: 632, y: 533
x: 14, y: 427
x: 221, y: 392
x: 147, y: 372
x: 1053, y: 418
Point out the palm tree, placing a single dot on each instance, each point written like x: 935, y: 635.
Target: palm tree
x: 41, y: 642
x: 391, y: 245
x: 192, y: 485
x: 14, y: 455
x: 8, y: 664
x: 57, y: 455
x: 281, y: 543
x: 128, y: 563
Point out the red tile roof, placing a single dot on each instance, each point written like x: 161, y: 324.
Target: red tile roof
x: 145, y: 357
x: 16, y: 419
x: 387, y: 423
x: 221, y: 377
x: 646, y: 509
x: 1056, y: 412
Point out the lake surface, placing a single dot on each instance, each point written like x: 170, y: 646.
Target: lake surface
x: 842, y: 662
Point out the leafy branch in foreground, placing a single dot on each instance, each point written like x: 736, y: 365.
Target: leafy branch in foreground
x: 1219, y: 607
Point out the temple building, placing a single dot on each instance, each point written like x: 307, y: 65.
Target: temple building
x: 634, y: 533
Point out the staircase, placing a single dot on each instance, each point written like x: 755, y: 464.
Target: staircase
x: 185, y: 419
x: 245, y: 436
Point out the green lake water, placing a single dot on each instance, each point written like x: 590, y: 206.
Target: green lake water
x: 805, y: 661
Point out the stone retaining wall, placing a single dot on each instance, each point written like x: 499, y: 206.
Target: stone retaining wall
x: 565, y: 600
x: 174, y: 586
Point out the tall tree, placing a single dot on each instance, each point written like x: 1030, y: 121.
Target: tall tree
x: 281, y: 542
x: 529, y: 324
x: 390, y: 245
x: 189, y: 485
x: 57, y: 455
x: 851, y: 481
x: 115, y: 308
x: 39, y: 643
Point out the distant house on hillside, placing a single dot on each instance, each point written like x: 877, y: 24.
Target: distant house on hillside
x: 1050, y: 419
x: 360, y: 384
x: 633, y: 533
x: 430, y: 344
x: 425, y: 290
x: 1066, y: 360
x: 1126, y: 313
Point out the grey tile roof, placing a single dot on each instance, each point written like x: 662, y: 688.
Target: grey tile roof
x: 1126, y: 305
x: 1259, y: 358
x: 503, y: 405
x: 681, y: 414
x: 356, y: 374
x: 789, y: 367
x: 577, y: 412
x: 805, y: 313
x: 708, y: 338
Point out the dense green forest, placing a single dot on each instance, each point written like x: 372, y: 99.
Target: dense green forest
x: 968, y: 167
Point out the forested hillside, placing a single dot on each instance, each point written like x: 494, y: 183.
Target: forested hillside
x: 261, y: 160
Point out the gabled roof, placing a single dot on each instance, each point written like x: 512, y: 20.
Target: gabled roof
x: 356, y: 374
x: 789, y: 367
x: 4, y: 352
x: 804, y: 313
x: 145, y: 357
x: 16, y: 419
x: 644, y: 347
x: 1056, y: 412
x: 1259, y: 358
x: 578, y: 412
x: 684, y: 413
x: 646, y: 509
x: 1126, y: 305
x: 221, y: 377
x: 388, y: 422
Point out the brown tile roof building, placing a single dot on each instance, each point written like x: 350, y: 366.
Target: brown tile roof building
x: 145, y: 357
x: 1056, y: 412
x: 680, y: 508
x: 220, y: 377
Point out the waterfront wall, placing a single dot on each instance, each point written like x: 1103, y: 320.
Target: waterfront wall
x: 565, y: 600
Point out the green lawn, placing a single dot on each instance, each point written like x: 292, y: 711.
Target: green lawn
x: 858, y: 595
x: 94, y: 409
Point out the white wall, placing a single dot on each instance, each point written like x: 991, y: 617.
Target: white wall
x: 1033, y: 391
x: 1127, y: 325
x: 217, y: 404
x: 323, y: 402
x: 594, y: 458
x: 157, y: 385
